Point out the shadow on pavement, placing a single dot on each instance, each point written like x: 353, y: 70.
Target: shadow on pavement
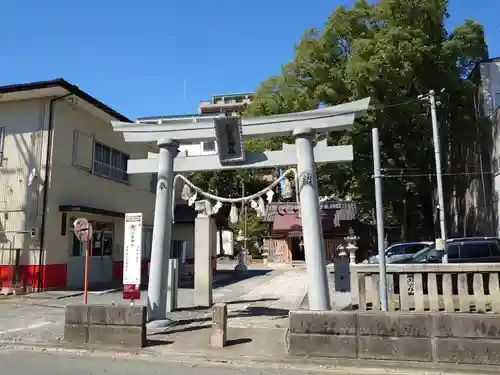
x: 243, y: 340
x: 158, y: 343
x: 248, y: 311
x: 251, y: 301
x: 226, y: 277
x: 178, y: 329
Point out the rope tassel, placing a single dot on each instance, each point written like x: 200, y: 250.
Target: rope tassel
x: 258, y: 206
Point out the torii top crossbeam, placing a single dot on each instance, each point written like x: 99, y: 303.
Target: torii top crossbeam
x: 199, y: 129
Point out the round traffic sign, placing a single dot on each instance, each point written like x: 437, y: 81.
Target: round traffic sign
x: 83, y: 229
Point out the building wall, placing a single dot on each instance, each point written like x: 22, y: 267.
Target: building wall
x: 24, y: 125
x: 486, y: 189
x: 73, y: 183
x: 227, y: 242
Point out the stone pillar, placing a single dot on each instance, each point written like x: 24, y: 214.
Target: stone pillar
x: 162, y: 231
x: 205, y: 242
x: 319, y: 296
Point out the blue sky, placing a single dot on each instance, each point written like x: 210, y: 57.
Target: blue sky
x: 136, y: 55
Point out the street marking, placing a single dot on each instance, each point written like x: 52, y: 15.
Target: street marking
x: 32, y: 326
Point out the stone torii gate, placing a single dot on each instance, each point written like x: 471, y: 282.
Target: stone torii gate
x: 229, y: 134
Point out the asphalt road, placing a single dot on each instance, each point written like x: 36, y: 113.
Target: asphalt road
x: 22, y: 362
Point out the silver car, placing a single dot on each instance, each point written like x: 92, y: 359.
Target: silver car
x: 400, y: 251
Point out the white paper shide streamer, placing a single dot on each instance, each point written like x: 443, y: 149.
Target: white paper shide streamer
x: 233, y: 215
x: 256, y: 201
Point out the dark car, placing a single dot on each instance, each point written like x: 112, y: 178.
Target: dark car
x: 461, y: 250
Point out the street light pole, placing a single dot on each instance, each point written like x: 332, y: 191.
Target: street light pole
x: 439, y: 175
x: 242, y: 256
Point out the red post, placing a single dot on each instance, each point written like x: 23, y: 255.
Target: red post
x: 86, y: 281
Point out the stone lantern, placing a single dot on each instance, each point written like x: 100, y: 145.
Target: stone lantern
x: 351, y: 247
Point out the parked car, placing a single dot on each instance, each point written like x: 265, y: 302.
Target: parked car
x: 460, y: 250
x: 401, y: 251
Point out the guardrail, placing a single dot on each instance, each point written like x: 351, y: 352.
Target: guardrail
x: 429, y: 287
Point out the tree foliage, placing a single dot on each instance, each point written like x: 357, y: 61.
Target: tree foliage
x: 249, y: 226
x: 391, y: 51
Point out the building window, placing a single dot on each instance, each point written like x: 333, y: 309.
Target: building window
x: 496, y: 99
x: 147, y: 242
x: 101, y: 243
x: 208, y: 146
x: 179, y: 250
x: 495, y: 166
x: 153, y: 182
x: 110, y: 163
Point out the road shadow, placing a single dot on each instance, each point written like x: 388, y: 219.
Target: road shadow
x: 251, y: 301
x: 243, y: 340
x: 151, y: 343
x: 199, y: 308
x: 181, y: 327
x: 96, y: 287
x: 225, y: 278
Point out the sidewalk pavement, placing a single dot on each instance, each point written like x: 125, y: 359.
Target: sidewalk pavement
x: 252, y: 302
x: 251, y: 348
x: 258, y: 308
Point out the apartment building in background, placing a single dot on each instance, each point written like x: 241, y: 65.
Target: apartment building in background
x: 226, y: 104
x: 480, y: 214
x: 229, y: 104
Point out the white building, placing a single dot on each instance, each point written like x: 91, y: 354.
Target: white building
x: 60, y: 159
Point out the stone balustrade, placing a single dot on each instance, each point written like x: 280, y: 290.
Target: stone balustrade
x: 428, y: 287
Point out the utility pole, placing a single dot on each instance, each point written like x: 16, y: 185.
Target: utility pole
x: 245, y: 213
x: 439, y: 175
x: 379, y: 211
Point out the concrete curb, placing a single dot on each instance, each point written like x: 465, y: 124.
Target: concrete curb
x: 336, y: 366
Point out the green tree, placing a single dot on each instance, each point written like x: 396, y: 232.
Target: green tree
x: 249, y: 226
x: 391, y: 51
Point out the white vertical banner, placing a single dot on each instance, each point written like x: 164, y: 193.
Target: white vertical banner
x: 132, y: 254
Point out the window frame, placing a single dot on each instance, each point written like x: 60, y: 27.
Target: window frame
x: 147, y: 242
x: 124, y: 157
x: 496, y: 104
x: 203, y: 149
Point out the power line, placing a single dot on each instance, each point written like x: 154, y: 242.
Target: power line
x: 434, y: 174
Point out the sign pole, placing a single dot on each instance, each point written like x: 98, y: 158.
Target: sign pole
x: 83, y: 231
x: 86, y: 281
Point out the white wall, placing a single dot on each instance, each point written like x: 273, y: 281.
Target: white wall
x: 72, y: 185
x: 227, y: 242
x: 24, y: 149
x: 199, y: 149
